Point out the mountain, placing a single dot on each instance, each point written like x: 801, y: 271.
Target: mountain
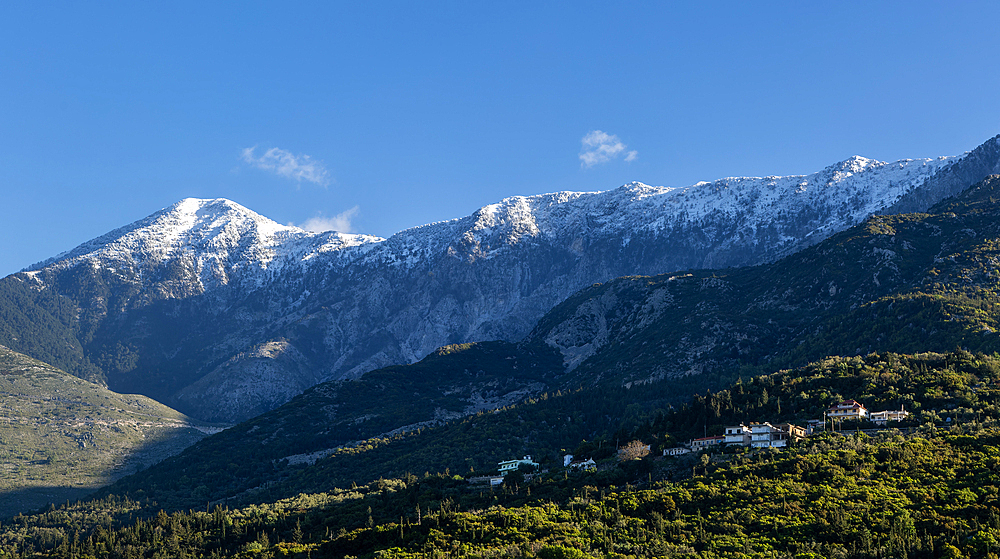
x: 904, y: 283
x: 62, y: 437
x: 225, y: 314
x: 618, y: 351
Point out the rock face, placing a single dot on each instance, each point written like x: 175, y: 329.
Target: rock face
x: 896, y: 283
x: 224, y: 314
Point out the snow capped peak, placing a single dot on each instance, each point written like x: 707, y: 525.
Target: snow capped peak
x: 857, y: 163
x: 637, y: 190
x: 219, y: 241
x: 212, y: 239
x: 359, y: 302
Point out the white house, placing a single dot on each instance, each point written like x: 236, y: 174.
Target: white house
x: 765, y: 435
x: 848, y: 409
x: 760, y: 435
x: 676, y: 451
x: 512, y: 465
x: 737, y: 434
x: 883, y: 417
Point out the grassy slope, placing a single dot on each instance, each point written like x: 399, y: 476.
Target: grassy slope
x: 62, y: 437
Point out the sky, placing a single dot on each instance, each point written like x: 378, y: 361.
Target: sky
x: 373, y: 117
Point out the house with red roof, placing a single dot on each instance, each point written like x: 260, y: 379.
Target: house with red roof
x: 848, y: 409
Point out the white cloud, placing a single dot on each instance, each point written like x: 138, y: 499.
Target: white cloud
x: 340, y: 222
x: 601, y: 147
x: 286, y: 164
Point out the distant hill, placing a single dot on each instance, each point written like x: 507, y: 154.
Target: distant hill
x: 225, y: 314
x: 62, y: 437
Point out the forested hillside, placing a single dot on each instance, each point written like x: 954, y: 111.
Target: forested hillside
x: 929, y: 492
x: 906, y: 283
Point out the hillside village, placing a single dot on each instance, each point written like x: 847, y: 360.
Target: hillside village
x: 753, y: 436
x: 780, y: 435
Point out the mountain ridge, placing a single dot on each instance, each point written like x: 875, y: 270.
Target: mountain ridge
x: 662, y: 339
x: 203, y: 322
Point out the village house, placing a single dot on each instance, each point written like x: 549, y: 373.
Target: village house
x: 508, y: 466
x: 705, y: 442
x: 676, y: 451
x: 764, y: 435
x: 492, y: 480
x: 815, y: 425
x: 883, y: 417
x: 794, y: 432
x: 757, y: 435
x: 848, y: 409
x: 737, y: 434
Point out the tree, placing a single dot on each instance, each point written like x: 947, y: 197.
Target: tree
x: 633, y: 450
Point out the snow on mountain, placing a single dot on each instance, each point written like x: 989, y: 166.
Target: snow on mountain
x: 196, y: 289
x: 221, y: 239
x: 224, y: 239
x: 840, y: 196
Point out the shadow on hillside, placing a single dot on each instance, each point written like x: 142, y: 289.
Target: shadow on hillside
x: 31, y: 499
x: 26, y: 500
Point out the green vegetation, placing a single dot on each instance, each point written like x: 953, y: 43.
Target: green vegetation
x: 239, y: 465
x: 936, y: 388
x: 330, y: 474
x: 929, y: 493
x: 42, y: 323
x: 62, y: 437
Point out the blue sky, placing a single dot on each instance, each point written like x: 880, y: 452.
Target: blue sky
x: 392, y: 115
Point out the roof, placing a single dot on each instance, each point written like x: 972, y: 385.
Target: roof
x: 852, y: 404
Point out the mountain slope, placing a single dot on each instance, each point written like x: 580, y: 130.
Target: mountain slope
x: 61, y: 437
x: 906, y: 283
x: 889, y: 494
x: 225, y: 314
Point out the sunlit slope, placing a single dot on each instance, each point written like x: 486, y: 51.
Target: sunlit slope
x: 61, y: 436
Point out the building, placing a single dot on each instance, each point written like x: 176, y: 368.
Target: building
x: 705, y: 442
x: 676, y: 451
x: 883, y: 417
x: 794, y: 432
x: 587, y: 464
x: 508, y: 466
x: 492, y: 480
x: 815, y: 426
x: 737, y: 434
x: 765, y: 435
x: 848, y: 409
